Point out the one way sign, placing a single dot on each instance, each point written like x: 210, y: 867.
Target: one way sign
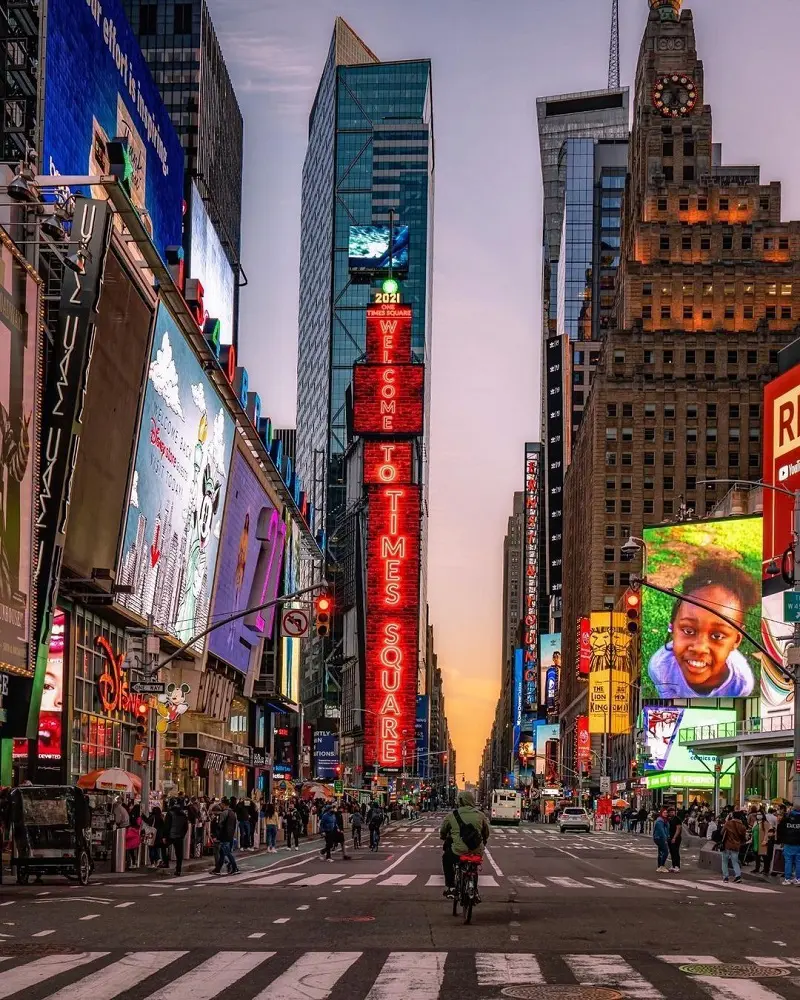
x: 148, y: 687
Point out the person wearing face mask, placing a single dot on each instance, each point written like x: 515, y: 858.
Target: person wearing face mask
x: 763, y: 843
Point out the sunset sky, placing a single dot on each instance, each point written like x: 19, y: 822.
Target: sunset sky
x: 491, y: 60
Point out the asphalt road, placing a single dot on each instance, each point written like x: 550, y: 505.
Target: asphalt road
x: 557, y: 910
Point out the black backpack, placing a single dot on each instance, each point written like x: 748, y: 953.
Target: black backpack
x: 469, y: 834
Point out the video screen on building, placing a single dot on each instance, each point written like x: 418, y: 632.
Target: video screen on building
x: 98, y: 87
x: 209, y: 263
x: 372, y: 251
x: 249, y: 568
x: 20, y: 412
x: 550, y: 660
x: 664, y: 751
x: 689, y: 650
x: 178, y: 490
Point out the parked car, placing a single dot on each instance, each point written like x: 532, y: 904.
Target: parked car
x: 574, y: 818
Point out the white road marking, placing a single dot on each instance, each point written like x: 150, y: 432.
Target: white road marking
x: 488, y: 880
x: 304, y: 907
x: 402, y: 857
x: 612, y: 971
x: 214, y: 976
x: 529, y: 883
x: 26, y: 976
x: 567, y: 883
x: 257, y: 934
x: 735, y: 989
x: 312, y: 977
x: 355, y: 880
x: 319, y: 879
x: 741, y: 887
x: 41, y: 934
x: 9, y: 903
x: 410, y: 973
x: 151, y: 894
x: 606, y: 882
x: 282, y: 920
x: 704, y: 885
x: 395, y: 880
x: 437, y: 880
x: 493, y: 863
x: 775, y: 963
x: 688, y: 959
x: 110, y: 981
x: 90, y: 916
x: 277, y: 878
x: 123, y: 906
x: 655, y: 884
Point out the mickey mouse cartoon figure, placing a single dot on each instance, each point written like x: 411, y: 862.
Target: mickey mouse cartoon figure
x: 171, y: 705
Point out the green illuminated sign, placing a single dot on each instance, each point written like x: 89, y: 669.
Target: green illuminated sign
x: 677, y: 779
x: 390, y: 286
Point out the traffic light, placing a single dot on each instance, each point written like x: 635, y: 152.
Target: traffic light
x: 634, y: 767
x: 338, y: 770
x: 323, y: 606
x: 142, y: 720
x: 633, y: 612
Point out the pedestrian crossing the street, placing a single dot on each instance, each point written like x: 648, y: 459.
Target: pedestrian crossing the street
x: 427, y: 975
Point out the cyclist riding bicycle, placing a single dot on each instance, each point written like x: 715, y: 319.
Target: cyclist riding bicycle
x: 375, y: 819
x: 454, y: 845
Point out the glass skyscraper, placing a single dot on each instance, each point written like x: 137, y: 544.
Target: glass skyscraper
x: 369, y: 158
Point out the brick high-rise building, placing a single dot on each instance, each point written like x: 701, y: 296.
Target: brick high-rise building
x: 708, y: 290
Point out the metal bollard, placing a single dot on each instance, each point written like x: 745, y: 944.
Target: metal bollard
x: 118, y: 860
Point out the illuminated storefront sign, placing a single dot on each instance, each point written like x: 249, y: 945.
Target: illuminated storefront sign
x: 583, y: 743
x: 388, y: 394
x: 530, y: 645
x: 112, y: 684
x: 584, y: 647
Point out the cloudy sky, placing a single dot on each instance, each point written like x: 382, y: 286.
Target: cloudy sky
x: 490, y: 63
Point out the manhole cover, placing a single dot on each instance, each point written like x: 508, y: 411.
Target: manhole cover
x: 730, y: 971
x: 561, y: 993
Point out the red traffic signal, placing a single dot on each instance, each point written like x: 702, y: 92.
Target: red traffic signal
x: 633, y: 611
x: 142, y: 721
x: 323, y: 606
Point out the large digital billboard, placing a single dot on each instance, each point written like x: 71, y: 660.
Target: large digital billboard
x: 421, y: 730
x: 249, y: 566
x: 371, y: 249
x: 51, y: 710
x: 178, y: 489
x: 209, y: 263
x: 611, y: 674
x: 690, y: 651
x: 20, y: 414
x: 661, y: 736
x: 530, y: 587
x: 550, y: 675
x: 516, y: 703
x: 781, y: 444
x: 326, y: 755
x: 289, y: 684
x: 98, y: 87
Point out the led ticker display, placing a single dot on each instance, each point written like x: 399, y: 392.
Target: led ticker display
x: 388, y: 399
x: 387, y: 462
x: 584, y: 646
x: 530, y: 644
x: 389, y: 334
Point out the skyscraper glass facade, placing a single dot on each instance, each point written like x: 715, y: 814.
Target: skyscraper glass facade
x: 574, y: 309
x: 370, y: 155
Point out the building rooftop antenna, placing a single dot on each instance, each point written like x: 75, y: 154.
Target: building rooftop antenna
x: 613, y: 51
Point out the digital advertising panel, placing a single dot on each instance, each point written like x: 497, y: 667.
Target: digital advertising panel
x: 209, y: 263
x: 289, y: 684
x: 610, y: 677
x: 20, y: 416
x: 554, y: 465
x: 530, y: 590
x: 98, y: 87
x: 781, y: 444
x: 369, y: 249
x: 661, y: 728
x: 52, y: 705
x: 584, y: 647
x: 249, y: 566
x: 689, y: 651
x: 583, y: 742
x: 544, y: 733
x: 178, y: 489
x: 326, y: 755
x: 388, y: 400
x: 516, y: 701
x: 421, y: 734
x: 550, y: 658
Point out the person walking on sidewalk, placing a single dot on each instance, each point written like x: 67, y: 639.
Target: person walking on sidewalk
x: 763, y: 843
x: 293, y: 826
x: 328, y: 828
x: 661, y: 840
x: 734, y: 836
x: 223, y: 829
x: 177, y: 827
x: 271, y: 826
x: 789, y: 837
x: 675, y: 831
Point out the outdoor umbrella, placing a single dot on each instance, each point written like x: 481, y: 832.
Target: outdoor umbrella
x: 620, y: 804
x: 316, y: 790
x: 113, y: 779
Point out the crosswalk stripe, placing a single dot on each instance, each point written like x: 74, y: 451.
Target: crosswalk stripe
x: 318, y: 879
x: 606, y: 882
x: 212, y: 977
x: 488, y: 880
x: 111, y: 980
x: 528, y: 882
x: 567, y: 883
x: 357, y: 880
x: 741, y: 887
x: 705, y: 885
x: 652, y: 884
x: 688, y: 959
x: 410, y: 973
x: 437, y: 880
x: 735, y: 989
x: 507, y: 970
x: 397, y: 880
x: 277, y: 878
x: 776, y: 963
x: 312, y: 977
x: 612, y: 971
x: 23, y: 978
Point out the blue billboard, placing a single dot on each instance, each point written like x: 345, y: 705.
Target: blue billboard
x: 326, y: 755
x: 98, y: 87
x: 517, y: 701
x: 421, y: 735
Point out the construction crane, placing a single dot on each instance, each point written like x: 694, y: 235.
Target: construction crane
x: 613, y: 51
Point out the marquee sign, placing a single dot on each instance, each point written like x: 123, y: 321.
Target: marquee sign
x: 530, y: 596
x: 388, y: 403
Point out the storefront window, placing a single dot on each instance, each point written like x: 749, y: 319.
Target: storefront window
x: 236, y: 781
x: 101, y: 738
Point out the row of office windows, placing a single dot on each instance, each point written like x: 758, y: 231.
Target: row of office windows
x: 689, y: 242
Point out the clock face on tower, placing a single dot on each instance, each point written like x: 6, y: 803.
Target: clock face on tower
x: 674, y: 95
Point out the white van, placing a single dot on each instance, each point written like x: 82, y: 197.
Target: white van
x: 506, y: 806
